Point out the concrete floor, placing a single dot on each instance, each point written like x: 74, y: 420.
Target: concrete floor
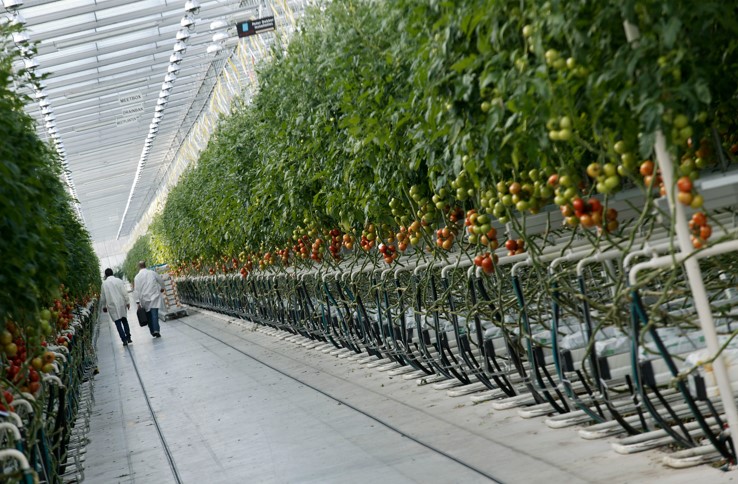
x: 227, y: 418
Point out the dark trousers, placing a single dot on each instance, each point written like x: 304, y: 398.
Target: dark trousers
x: 123, y: 330
x: 153, y: 317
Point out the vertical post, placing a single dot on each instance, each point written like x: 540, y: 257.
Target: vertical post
x: 693, y: 271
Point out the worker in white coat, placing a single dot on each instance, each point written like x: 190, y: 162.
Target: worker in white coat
x: 114, y: 301
x: 147, y: 287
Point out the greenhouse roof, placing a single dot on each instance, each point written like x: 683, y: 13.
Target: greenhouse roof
x: 106, y: 101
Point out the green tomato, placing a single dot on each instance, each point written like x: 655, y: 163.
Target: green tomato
x: 565, y: 122
x: 612, y: 182
x: 628, y: 159
x: 570, y: 193
x: 681, y: 121
x: 501, y: 187
x: 566, y: 181
x: 610, y: 169
x: 620, y: 147
x: 522, y: 206
x: 507, y: 200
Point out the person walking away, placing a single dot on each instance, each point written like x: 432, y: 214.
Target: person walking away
x: 114, y: 301
x: 147, y: 287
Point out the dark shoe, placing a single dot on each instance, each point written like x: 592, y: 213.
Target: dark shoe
x: 125, y: 343
x: 157, y: 335
x: 130, y: 340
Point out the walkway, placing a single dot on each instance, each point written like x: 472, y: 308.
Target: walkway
x: 235, y: 405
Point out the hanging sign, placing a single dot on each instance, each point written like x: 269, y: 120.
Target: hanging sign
x: 130, y: 98
x: 253, y: 27
x: 123, y: 120
x: 133, y: 109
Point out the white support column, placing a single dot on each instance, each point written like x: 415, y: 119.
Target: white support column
x: 692, y: 269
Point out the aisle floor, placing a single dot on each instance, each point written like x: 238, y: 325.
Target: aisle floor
x: 223, y: 416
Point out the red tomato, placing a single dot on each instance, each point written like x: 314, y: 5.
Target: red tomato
x: 578, y: 205
x: 684, y: 184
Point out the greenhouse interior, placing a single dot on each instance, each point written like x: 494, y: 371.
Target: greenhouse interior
x: 401, y: 241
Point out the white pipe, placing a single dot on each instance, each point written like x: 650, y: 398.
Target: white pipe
x: 17, y: 455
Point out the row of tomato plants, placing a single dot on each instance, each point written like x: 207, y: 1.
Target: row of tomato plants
x: 396, y: 124
x: 48, y: 263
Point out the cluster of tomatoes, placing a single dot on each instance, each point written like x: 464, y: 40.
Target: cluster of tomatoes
x: 348, y: 241
x: 590, y: 213
x: 389, y: 252
x: 335, y: 246
x: 302, y: 247
x: 515, y: 247
x: 316, y: 253
x: 486, y: 261
x: 368, y: 238
x: 700, y: 228
x: 284, y: 256
x: 445, y: 238
x: 266, y: 261
x: 403, y: 239
x: 21, y: 364
x: 62, y: 311
x: 480, y: 230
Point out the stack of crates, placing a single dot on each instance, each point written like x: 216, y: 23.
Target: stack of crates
x: 174, y: 308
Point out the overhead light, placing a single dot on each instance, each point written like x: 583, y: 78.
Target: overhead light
x: 21, y: 38
x: 173, y: 68
x: 167, y: 86
x: 188, y: 21
x: 46, y: 110
x: 175, y: 58
x: 159, y: 108
x: 180, y: 46
x: 163, y: 94
x: 40, y: 94
x: 171, y: 77
x: 44, y: 102
x: 218, y: 24
x: 220, y: 36
x: 12, y: 4
x: 50, y: 124
x: 161, y: 102
x: 192, y: 6
x: 50, y: 117
x: 30, y: 64
x: 183, y: 34
x: 214, y: 48
x: 158, y: 115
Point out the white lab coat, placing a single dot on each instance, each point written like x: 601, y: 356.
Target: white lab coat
x: 147, y: 286
x: 113, y: 295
